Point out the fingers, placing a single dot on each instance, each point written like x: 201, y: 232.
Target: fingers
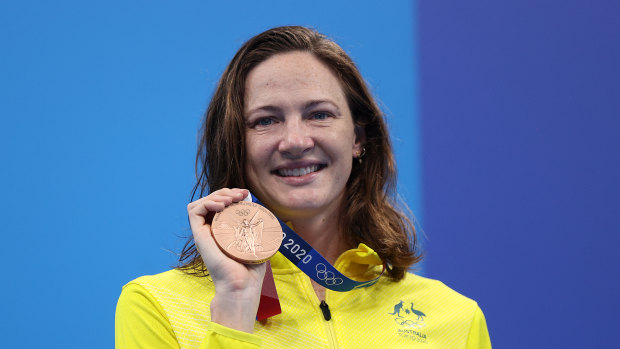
x: 213, y: 202
x: 234, y: 194
x: 199, y: 213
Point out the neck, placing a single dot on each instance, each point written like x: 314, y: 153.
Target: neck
x: 323, y: 233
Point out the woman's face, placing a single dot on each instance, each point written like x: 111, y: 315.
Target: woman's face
x: 300, y: 136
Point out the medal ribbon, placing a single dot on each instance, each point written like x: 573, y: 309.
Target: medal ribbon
x: 308, y: 260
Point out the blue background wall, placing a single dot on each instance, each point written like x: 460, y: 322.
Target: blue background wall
x: 510, y: 159
x: 100, y: 105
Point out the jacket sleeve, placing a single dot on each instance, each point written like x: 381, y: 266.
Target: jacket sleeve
x: 142, y: 323
x: 478, y: 333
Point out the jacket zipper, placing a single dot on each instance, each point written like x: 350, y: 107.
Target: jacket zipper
x: 325, y: 309
x: 329, y: 325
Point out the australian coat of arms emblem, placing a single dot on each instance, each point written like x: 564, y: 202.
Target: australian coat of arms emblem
x: 408, y: 316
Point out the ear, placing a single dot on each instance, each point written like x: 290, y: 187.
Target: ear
x: 360, y: 140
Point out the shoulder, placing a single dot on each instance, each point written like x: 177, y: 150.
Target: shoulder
x: 181, y: 298
x: 431, y: 297
x: 171, y: 284
x: 169, y: 307
x: 167, y: 277
x: 430, y: 287
x: 428, y: 311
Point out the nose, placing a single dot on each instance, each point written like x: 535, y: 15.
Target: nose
x: 296, y: 140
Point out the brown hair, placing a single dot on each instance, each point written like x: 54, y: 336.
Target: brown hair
x: 370, y: 215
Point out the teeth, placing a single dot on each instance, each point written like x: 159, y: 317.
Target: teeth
x: 296, y: 172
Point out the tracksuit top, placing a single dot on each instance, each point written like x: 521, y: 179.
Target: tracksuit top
x: 171, y: 310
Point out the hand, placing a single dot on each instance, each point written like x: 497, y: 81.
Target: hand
x: 237, y: 285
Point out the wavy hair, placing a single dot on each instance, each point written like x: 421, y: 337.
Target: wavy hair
x: 370, y: 215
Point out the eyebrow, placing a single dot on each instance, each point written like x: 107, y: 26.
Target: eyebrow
x: 268, y: 108
x: 314, y: 103
x: 308, y: 105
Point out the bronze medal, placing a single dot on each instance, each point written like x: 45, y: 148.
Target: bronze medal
x: 247, y: 232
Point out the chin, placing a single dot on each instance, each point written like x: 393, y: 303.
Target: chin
x: 303, y: 204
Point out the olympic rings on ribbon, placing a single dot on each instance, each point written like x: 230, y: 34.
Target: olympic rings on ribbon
x: 323, y: 274
x: 313, y: 264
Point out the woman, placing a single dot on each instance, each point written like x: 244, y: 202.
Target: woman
x: 293, y: 121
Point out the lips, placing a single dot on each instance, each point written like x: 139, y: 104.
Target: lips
x: 298, y: 171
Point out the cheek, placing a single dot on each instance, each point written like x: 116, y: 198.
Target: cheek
x: 251, y: 172
x: 257, y: 158
x: 251, y: 161
x: 250, y: 157
x: 250, y: 149
x: 345, y: 162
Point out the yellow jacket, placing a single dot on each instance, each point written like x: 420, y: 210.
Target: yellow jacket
x: 171, y: 310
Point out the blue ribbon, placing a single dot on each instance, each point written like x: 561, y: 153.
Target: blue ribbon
x: 308, y: 260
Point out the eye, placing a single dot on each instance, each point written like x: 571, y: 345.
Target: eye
x: 320, y: 115
x: 264, y: 122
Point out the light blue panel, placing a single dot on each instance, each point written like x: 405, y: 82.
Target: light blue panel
x: 100, y: 105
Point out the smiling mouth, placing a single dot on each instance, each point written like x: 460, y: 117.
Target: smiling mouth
x: 298, y: 172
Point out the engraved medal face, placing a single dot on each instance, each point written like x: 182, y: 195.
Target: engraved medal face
x: 247, y: 232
